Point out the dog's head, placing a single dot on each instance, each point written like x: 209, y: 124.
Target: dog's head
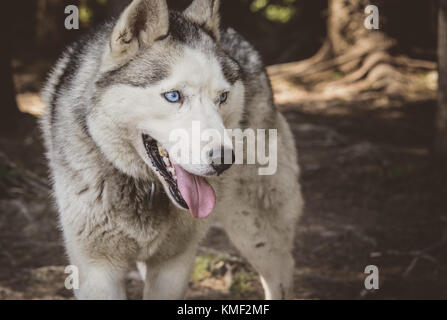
x: 163, y: 75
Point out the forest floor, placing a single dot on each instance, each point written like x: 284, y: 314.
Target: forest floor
x: 372, y: 198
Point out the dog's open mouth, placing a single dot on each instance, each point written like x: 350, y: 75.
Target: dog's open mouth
x: 188, y: 191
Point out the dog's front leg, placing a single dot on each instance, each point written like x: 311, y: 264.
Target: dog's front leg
x: 98, y: 278
x: 168, y: 280
x: 100, y: 282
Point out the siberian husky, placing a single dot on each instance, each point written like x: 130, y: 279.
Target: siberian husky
x: 113, y: 99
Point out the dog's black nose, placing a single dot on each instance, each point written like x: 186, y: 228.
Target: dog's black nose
x: 221, y: 163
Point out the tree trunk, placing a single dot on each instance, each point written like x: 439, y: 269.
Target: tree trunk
x: 10, y: 113
x: 346, y: 25
x: 347, y: 33
x: 357, y: 63
x: 49, y: 24
x: 441, y: 117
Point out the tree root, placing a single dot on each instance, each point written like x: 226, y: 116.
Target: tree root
x: 318, y: 63
x: 366, y: 72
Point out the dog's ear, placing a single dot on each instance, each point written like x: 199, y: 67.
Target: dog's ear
x: 206, y: 14
x: 141, y: 23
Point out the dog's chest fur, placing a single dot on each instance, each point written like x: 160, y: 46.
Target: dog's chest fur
x: 125, y: 217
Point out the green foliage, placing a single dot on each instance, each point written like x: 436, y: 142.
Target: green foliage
x: 337, y: 75
x: 392, y: 173
x: 241, y: 284
x: 6, y: 174
x: 87, y: 10
x: 85, y: 13
x: 257, y: 5
x: 203, y: 267
x: 277, y: 11
x: 280, y: 11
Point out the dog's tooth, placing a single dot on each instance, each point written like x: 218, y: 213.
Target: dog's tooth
x: 172, y: 171
x: 166, y: 161
x: 161, y: 150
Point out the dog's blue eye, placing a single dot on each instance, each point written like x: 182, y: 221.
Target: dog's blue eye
x: 172, y: 96
x: 223, y: 97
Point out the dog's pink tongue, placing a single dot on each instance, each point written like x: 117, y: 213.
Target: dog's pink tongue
x: 198, y: 193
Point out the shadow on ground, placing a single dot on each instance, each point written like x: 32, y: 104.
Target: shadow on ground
x: 372, y: 195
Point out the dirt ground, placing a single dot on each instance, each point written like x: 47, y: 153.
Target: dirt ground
x: 372, y: 198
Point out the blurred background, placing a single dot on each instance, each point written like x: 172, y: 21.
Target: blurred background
x: 369, y: 112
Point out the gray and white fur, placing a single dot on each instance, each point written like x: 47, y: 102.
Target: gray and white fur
x: 104, y: 92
